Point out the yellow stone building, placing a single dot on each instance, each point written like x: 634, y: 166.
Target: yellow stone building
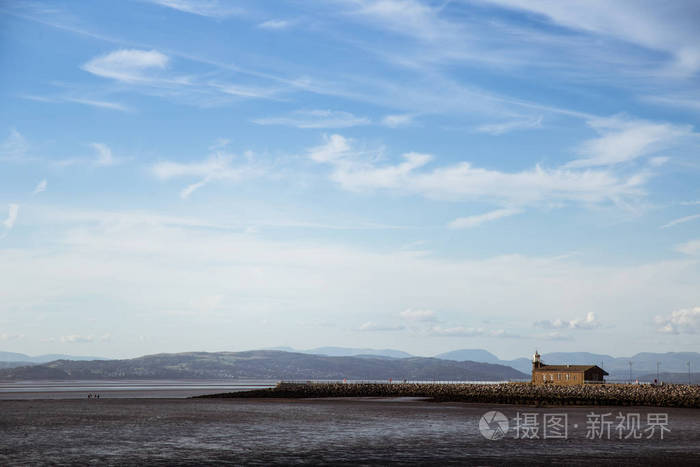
x: 565, y: 374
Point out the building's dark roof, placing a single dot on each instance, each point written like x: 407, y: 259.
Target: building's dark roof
x: 569, y: 368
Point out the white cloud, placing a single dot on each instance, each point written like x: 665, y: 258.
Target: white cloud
x: 217, y: 167
x: 99, y: 104
x: 506, y: 127
x: 128, y: 65
x: 653, y: 25
x: 589, y: 322
x: 275, y: 24
x: 461, y: 181
x: 691, y: 248
x: 247, y: 91
x: 623, y: 140
x: 289, y: 277
x: 14, y: 147
x: 681, y: 220
x: 462, y: 331
x: 691, y: 102
x: 78, y: 100
x: 334, y: 148
x: 553, y: 336
x: 11, y: 216
x: 686, y: 321
x: 407, y: 17
x: 477, y: 220
x: 316, y: 119
x: 11, y: 337
x: 210, y: 8
x: 104, y: 155
x: 76, y: 339
x: 372, y: 326
x: 40, y: 187
x: 419, y: 315
x: 398, y: 120
x: 658, y: 161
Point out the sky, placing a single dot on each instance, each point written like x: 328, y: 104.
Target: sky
x: 180, y: 175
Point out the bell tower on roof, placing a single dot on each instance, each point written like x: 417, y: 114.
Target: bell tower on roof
x: 536, y: 361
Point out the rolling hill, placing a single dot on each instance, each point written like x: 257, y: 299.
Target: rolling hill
x: 263, y: 364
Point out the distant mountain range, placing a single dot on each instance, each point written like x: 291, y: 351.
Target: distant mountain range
x: 348, y: 352
x: 643, y: 364
x: 13, y: 359
x: 264, y: 364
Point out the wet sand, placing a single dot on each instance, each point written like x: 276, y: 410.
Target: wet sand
x: 319, y: 431
x: 13, y: 390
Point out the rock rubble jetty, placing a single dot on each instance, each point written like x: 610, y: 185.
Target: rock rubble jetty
x: 669, y: 395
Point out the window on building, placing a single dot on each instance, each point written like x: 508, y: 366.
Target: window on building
x: 568, y: 376
x: 558, y: 376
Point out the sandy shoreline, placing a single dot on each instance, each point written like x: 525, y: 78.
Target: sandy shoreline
x: 338, y: 432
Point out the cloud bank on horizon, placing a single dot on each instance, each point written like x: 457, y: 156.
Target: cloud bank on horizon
x: 418, y: 174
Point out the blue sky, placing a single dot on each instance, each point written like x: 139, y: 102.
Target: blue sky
x: 206, y: 175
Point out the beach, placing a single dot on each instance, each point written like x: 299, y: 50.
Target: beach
x: 366, y: 431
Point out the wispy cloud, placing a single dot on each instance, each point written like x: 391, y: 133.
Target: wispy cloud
x: 128, y: 65
x: 477, y: 220
x: 690, y: 248
x: 671, y: 30
x: 210, y: 8
x: 686, y: 321
x: 103, y: 158
x: 681, y: 220
x: 101, y: 104
x: 418, y: 315
x: 316, y: 119
x: 76, y: 339
x: 463, y: 331
x: 512, y: 125
x: 104, y: 155
x: 10, y: 337
x: 623, y: 139
x: 9, y: 222
x: 689, y: 102
x: 275, y: 24
x: 398, y: 120
x: 376, y: 327
x: 353, y: 171
x: 587, y: 323
x: 247, y: 90
x: 218, y: 166
x: 14, y: 148
x: 40, y: 187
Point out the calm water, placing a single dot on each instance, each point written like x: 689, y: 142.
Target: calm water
x: 357, y: 431
x: 11, y: 390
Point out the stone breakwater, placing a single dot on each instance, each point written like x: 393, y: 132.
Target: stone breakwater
x: 671, y: 395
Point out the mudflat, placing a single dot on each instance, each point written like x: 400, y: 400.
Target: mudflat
x: 334, y: 431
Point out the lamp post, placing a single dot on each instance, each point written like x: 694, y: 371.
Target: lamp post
x: 688, y: 372
x: 630, y: 364
x: 657, y: 371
